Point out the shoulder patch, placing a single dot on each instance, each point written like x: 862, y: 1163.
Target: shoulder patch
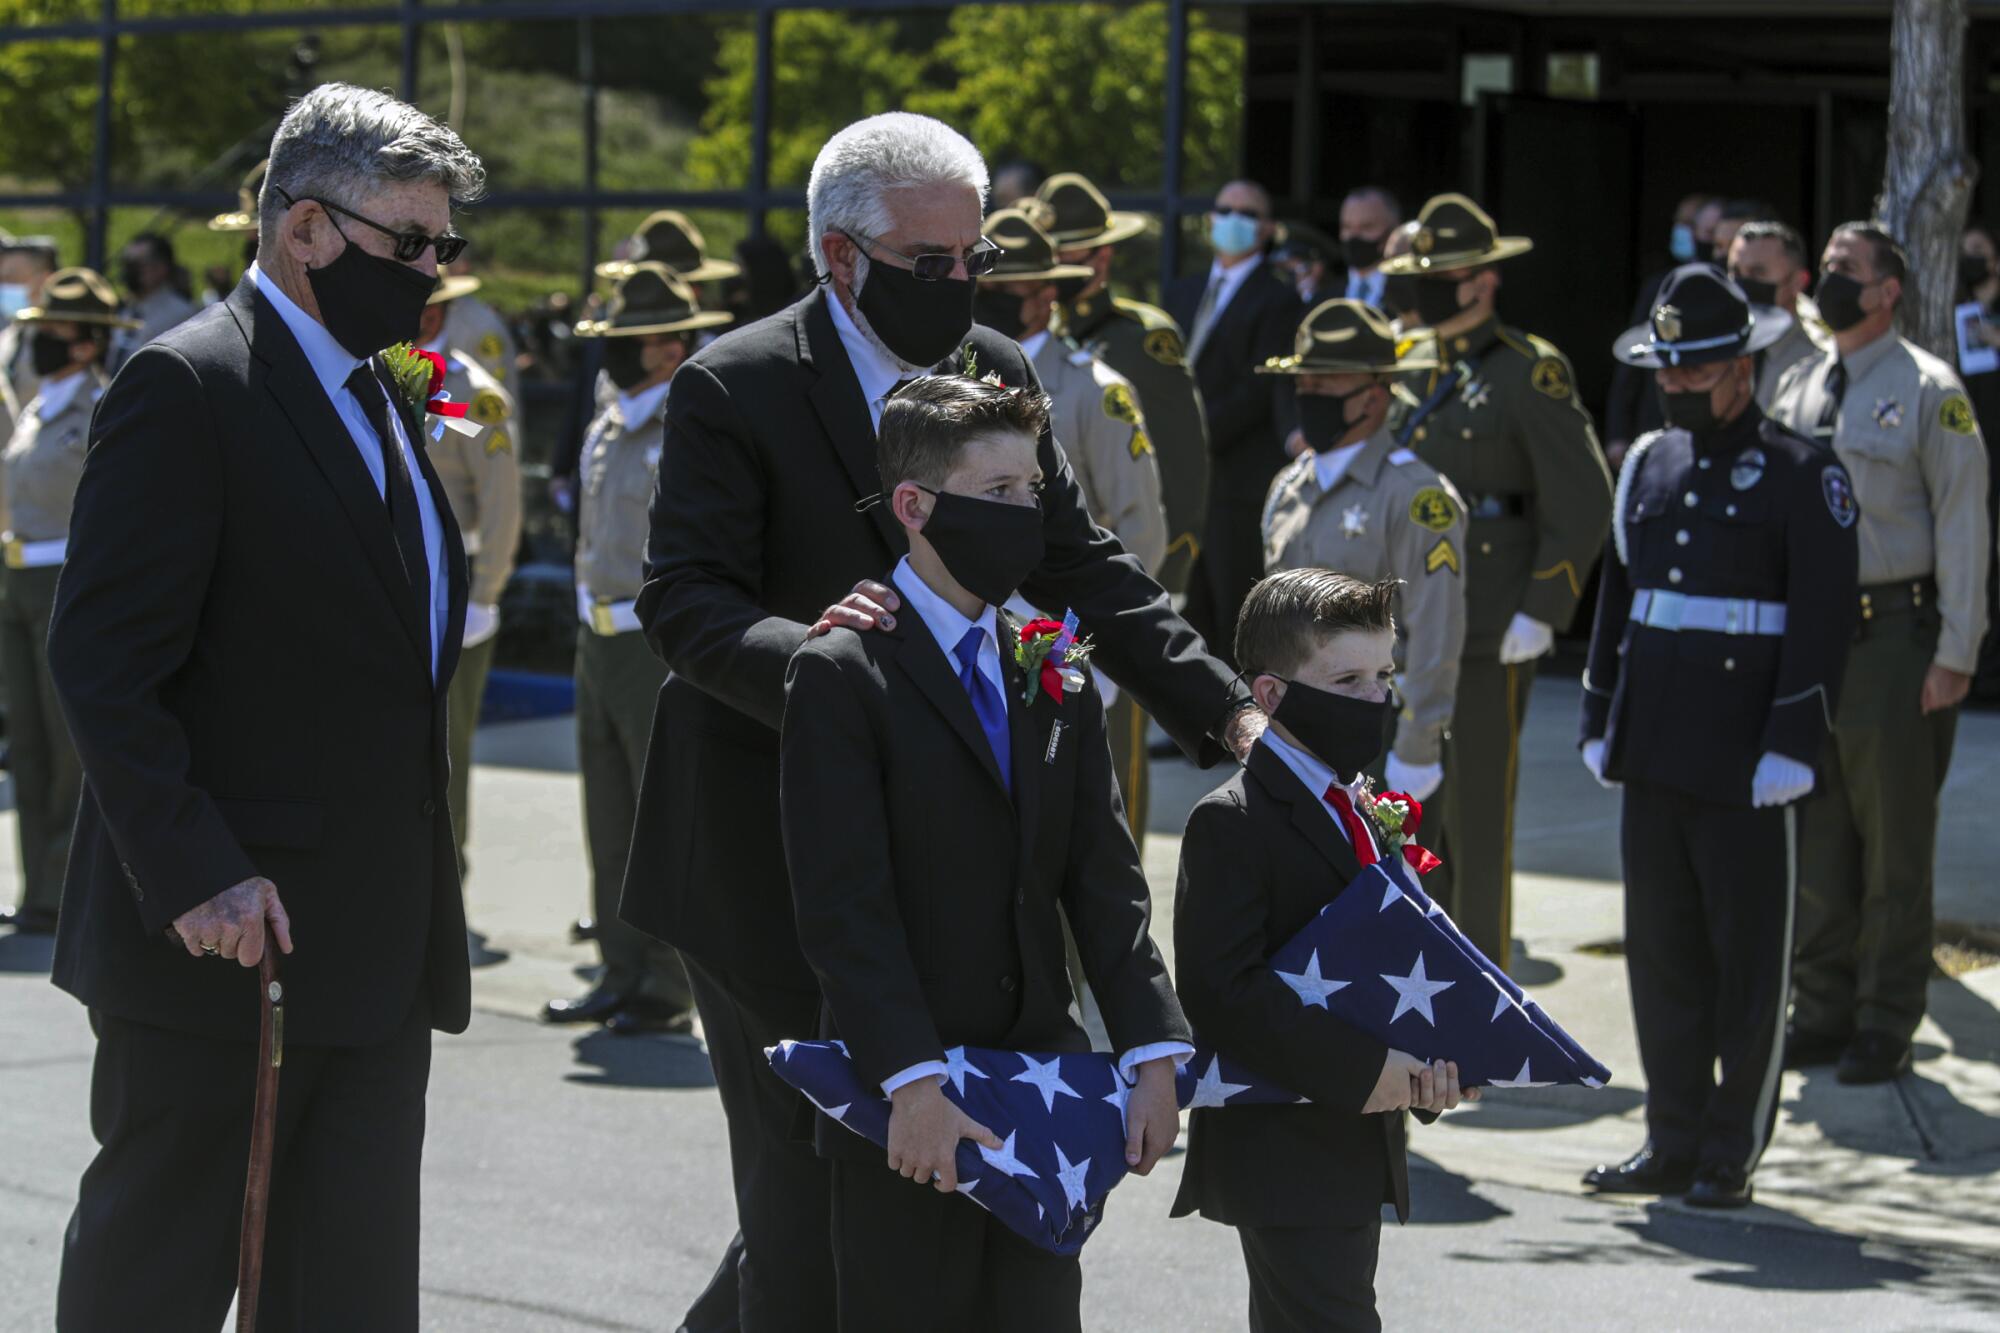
x: 1403, y: 457
x: 1141, y: 446
x: 1955, y: 415
x: 1164, y: 346
x: 1118, y: 404
x: 1442, y: 556
x: 1551, y: 376
x: 491, y: 348
x: 1839, y: 492
x: 488, y: 408
x: 498, y: 442
x: 1432, y: 508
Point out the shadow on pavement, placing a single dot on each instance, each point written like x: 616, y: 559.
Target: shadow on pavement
x: 641, y: 1062
x: 1442, y: 1197
x: 1782, y: 1259
x: 1966, y: 1018
x: 1546, y: 1108
x: 1529, y: 971
x: 480, y: 953
x: 1915, y: 1118
x: 26, y: 953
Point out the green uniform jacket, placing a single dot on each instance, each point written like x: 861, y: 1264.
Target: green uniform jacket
x: 1520, y: 448
x: 1142, y: 343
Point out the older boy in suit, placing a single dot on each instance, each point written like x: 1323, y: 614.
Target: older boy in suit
x: 1303, y: 1184
x: 943, y: 814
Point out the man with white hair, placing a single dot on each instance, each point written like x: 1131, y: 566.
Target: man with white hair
x: 757, y: 530
x: 257, y: 690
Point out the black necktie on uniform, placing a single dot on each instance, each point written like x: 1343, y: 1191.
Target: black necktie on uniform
x: 1834, y: 389
x: 399, y: 494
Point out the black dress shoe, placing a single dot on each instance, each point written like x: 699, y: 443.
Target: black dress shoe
x: 1805, y: 1048
x: 1719, y: 1185
x: 583, y: 930
x: 642, y: 1016
x: 1644, y: 1172
x: 595, y: 1007
x: 29, y: 921
x: 1874, y: 1057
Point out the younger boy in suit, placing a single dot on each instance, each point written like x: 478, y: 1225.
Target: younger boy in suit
x: 1303, y: 1185
x: 943, y: 815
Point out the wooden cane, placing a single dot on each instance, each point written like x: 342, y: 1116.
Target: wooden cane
x: 263, y: 1132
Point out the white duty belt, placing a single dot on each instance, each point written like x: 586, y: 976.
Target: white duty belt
x: 605, y: 617
x: 34, y: 555
x: 1659, y: 608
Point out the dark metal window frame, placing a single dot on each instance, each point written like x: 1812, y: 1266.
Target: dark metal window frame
x: 754, y: 200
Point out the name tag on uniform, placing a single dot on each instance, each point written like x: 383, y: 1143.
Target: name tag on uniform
x: 1055, y: 739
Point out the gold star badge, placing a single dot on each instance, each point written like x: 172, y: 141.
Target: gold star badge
x: 1667, y: 323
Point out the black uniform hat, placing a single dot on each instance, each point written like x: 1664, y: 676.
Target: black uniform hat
x: 245, y: 216
x: 1027, y: 253
x: 1344, y: 337
x: 652, y: 298
x: 77, y: 296
x: 1700, y: 315
x: 671, y: 238
x: 1454, y: 233
x: 1079, y: 216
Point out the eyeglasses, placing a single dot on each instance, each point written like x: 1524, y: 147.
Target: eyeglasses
x: 410, y: 246
x: 979, y: 260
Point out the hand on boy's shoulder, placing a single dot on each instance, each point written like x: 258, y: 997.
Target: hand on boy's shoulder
x: 871, y: 605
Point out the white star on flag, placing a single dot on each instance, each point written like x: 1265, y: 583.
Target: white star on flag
x: 1003, y: 1159
x: 1309, y: 985
x: 837, y: 1112
x: 1391, y: 895
x: 1521, y: 1080
x: 1502, y: 1001
x: 1072, y: 1176
x: 1046, y: 1078
x: 1211, y: 1090
x: 956, y: 1067
x: 1414, y: 992
x: 1120, y: 1094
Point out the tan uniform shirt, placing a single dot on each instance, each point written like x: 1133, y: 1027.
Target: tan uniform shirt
x: 18, y: 381
x: 476, y: 328
x: 43, y: 462
x: 1094, y: 415
x: 1802, y: 342
x: 481, y: 476
x: 1387, y: 515
x: 619, y: 464
x: 1909, y: 439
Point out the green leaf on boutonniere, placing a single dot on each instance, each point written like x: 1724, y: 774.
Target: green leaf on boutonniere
x: 411, y: 374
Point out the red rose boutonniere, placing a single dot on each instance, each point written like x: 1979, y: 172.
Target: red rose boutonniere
x: 1049, y: 653
x: 1397, y: 816
x: 419, y: 377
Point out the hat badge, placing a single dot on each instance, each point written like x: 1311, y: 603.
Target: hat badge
x: 1667, y: 323
x: 1423, y: 241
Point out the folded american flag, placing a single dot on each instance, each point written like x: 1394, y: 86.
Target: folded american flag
x: 1061, y: 1118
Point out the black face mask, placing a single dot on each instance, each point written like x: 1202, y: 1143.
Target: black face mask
x: 1399, y: 295
x: 368, y: 303
x: 988, y: 546
x: 1347, y: 735
x: 921, y: 322
x: 1973, y: 270
x: 1437, y: 299
x: 1068, y: 289
x: 131, y: 277
x: 999, y: 312
x: 1692, y: 411
x: 1360, y: 252
x: 49, y: 354
x: 1839, y: 299
x: 1323, y: 416
x: 1760, y: 293
x: 625, y: 362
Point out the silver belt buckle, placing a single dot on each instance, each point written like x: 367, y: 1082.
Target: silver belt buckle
x: 1666, y: 609
x: 1734, y: 611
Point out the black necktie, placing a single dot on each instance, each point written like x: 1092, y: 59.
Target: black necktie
x: 1834, y: 389
x: 399, y: 494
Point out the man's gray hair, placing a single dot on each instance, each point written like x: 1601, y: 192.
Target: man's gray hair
x: 858, y: 167
x: 340, y: 142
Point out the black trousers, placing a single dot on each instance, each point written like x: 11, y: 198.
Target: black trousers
x: 153, y: 1241
x: 1312, y: 1279
x: 783, y: 1274
x: 911, y: 1259
x: 1710, y: 893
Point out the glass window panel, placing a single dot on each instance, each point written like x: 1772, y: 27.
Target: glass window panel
x: 48, y: 91
x: 653, y: 77
x: 511, y: 91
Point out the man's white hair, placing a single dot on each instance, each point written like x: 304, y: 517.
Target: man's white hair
x: 858, y: 167
x: 339, y: 142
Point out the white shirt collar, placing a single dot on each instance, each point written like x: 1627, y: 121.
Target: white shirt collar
x: 1315, y: 774
x: 1332, y: 465
x: 873, y: 367
x: 56, y: 396
x: 331, y: 363
x: 1032, y: 346
x: 639, y: 408
x: 436, y: 346
x: 947, y: 626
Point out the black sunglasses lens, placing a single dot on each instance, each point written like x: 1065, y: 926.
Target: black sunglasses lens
x: 980, y: 262
x: 931, y: 268
x: 450, y: 248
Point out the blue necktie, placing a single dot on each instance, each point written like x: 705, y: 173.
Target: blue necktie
x: 986, y: 702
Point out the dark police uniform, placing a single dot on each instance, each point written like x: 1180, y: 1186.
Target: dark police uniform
x: 1500, y: 419
x: 1723, y: 617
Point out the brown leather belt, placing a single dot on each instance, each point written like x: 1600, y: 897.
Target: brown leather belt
x: 1904, y: 595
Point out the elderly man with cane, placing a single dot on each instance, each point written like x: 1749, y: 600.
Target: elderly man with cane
x: 252, y: 641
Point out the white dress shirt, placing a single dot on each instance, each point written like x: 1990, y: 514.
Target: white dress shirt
x: 331, y: 365
x: 1366, y: 287
x: 875, y: 368
x: 947, y: 626
x: 1318, y: 777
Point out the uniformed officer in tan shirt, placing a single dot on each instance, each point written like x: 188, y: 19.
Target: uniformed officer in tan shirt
x: 648, y: 332
x: 1768, y: 261
x: 1095, y: 415
x: 479, y: 465
x: 1359, y: 504
x: 1901, y: 423
x: 670, y: 238
x: 70, y: 337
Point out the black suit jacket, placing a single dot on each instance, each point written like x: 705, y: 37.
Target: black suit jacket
x: 1245, y: 438
x: 249, y: 687
x: 768, y: 447
x: 929, y: 901
x: 1259, y: 859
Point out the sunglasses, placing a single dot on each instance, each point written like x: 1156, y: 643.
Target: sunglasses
x: 979, y: 260
x: 1250, y: 213
x: 410, y: 246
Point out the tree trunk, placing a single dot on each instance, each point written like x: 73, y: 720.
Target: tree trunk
x: 1927, y: 186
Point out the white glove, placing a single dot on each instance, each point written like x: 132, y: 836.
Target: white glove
x: 1526, y: 639
x: 1416, y: 781
x: 481, y: 624
x: 1779, y: 780
x: 1593, y: 759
